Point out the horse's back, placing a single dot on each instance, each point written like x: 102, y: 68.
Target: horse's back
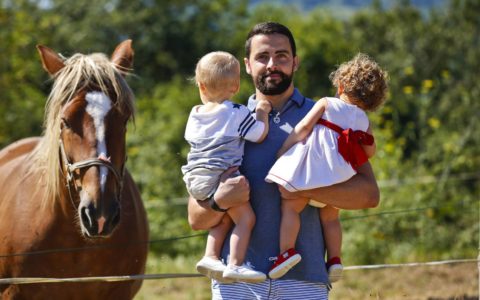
x: 18, y: 148
x: 13, y: 164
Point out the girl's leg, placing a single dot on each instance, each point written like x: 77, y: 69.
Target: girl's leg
x: 332, y: 230
x: 289, y: 228
x: 216, y: 237
x: 290, y: 223
x: 244, y: 219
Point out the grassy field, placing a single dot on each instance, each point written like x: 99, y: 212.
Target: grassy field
x: 446, y: 282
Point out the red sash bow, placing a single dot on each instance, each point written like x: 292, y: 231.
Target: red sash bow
x: 349, y: 143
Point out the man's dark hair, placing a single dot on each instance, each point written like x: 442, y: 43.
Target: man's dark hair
x: 267, y: 28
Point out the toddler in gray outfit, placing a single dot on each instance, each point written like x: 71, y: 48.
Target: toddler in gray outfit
x: 216, y: 131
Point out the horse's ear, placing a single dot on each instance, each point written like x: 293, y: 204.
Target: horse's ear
x: 123, y: 55
x: 51, y: 61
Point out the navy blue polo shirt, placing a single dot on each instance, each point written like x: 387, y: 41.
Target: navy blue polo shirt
x: 265, y: 200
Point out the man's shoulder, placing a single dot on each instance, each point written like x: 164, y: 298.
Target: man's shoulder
x: 309, y: 101
x: 301, y: 100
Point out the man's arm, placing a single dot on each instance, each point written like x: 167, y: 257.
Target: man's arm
x: 360, y: 191
x: 231, y: 191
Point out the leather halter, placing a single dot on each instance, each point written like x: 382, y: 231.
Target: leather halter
x: 70, y: 168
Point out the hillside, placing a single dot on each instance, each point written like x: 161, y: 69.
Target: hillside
x: 350, y: 4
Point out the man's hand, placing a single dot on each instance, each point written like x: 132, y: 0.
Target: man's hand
x: 291, y: 195
x: 359, y: 192
x: 232, y: 191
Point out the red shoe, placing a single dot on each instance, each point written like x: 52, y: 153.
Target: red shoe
x: 283, y: 263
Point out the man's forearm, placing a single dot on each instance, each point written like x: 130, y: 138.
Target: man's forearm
x: 201, y: 216
x: 360, y: 191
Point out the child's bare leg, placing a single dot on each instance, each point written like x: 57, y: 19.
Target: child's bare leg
x: 289, y: 228
x: 244, y: 219
x: 290, y: 223
x: 211, y: 265
x: 332, y: 230
x: 216, y: 237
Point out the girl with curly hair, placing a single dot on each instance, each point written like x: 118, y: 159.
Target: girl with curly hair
x: 327, y: 147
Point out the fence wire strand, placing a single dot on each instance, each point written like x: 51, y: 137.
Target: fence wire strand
x: 33, y: 280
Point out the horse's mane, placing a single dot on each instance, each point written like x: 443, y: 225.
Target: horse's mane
x: 80, y: 73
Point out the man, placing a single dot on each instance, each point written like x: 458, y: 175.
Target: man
x: 271, y: 60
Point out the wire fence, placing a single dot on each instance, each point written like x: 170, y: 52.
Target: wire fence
x: 32, y: 280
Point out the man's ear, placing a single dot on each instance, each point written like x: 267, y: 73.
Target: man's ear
x: 296, y: 63
x: 247, y: 66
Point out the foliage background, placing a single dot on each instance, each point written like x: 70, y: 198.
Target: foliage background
x: 428, y: 159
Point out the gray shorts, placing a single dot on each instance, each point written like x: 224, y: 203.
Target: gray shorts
x: 270, y: 290
x: 202, y: 183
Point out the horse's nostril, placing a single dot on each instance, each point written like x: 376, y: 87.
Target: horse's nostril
x: 116, y: 218
x: 86, y: 219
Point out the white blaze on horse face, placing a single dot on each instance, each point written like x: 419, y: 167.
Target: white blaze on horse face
x: 98, y: 106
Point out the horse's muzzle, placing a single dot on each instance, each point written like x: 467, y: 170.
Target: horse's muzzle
x: 94, y: 223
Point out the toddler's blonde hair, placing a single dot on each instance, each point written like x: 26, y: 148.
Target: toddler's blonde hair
x: 363, y: 81
x: 218, y: 71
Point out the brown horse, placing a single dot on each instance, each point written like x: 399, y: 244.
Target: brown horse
x: 68, y: 207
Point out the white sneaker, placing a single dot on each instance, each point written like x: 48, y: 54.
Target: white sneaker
x: 335, y: 272
x: 243, y: 273
x: 212, y: 268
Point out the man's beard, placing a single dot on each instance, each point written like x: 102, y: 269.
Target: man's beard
x: 273, y: 88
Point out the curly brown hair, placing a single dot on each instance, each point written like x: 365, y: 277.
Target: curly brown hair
x: 363, y: 81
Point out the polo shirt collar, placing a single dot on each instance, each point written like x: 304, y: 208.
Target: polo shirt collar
x: 296, y: 98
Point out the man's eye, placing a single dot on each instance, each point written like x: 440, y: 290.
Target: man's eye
x: 262, y: 57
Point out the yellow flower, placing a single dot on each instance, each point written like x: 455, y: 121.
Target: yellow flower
x: 408, y: 90
x: 389, y: 148
x: 430, y: 213
x: 434, y: 123
x: 387, y: 109
x: 408, y: 70
x: 427, y: 84
x: 446, y: 74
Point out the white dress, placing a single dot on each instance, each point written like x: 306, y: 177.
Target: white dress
x: 316, y: 162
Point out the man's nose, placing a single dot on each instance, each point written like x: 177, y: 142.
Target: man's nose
x: 271, y: 63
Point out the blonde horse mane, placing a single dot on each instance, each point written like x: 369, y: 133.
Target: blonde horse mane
x: 80, y: 72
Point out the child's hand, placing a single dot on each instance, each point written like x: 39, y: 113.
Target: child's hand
x: 264, y: 105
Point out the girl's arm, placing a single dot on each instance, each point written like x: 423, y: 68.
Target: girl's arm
x: 369, y: 149
x: 305, y: 126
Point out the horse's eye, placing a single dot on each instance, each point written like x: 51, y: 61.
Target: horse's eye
x: 65, y: 123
